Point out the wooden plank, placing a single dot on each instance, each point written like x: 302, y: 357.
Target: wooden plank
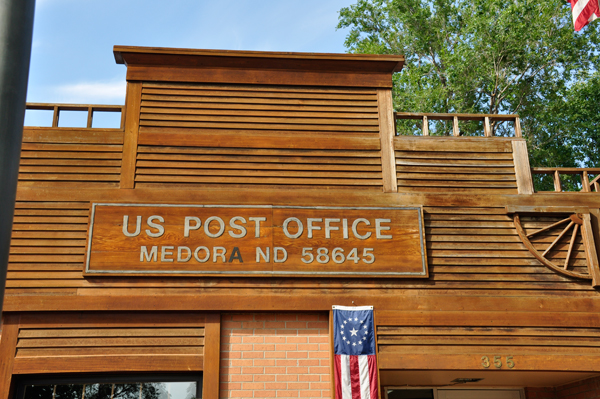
x: 71, y: 162
x: 130, y: 142
x: 145, y: 166
x: 8, y: 343
x: 257, y: 88
x: 113, y: 319
x: 72, y: 135
x: 212, y: 357
x: 108, y: 342
x: 259, y: 126
x: 100, y: 352
x: 453, y: 144
x: 591, y: 252
x: 264, y: 93
x: 259, y: 180
x: 386, y: 136
x: 90, y: 364
x: 242, y: 139
x: 110, y: 332
x: 258, y: 173
x: 173, y: 110
x: 69, y: 155
x: 72, y: 147
x: 522, y: 170
x: 257, y: 76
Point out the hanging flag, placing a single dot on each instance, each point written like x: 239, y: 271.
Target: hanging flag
x: 584, y: 11
x: 355, y: 360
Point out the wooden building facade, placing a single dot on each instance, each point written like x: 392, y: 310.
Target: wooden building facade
x: 245, y: 193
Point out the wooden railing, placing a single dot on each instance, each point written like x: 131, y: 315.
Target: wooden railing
x: 90, y: 109
x: 587, y: 185
x: 486, y: 118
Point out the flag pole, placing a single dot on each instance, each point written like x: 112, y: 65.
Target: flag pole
x: 16, y: 31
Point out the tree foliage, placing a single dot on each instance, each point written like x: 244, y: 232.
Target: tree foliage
x: 490, y: 56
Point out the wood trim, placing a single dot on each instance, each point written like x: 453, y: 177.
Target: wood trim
x: 257, y: 76
x: 212, y: 356
x: 331, y: 355
x: 132, y: 124
x: 522, y: 169
x: 93, y: 364
x: 386, y: 135
x: 472, y: 361
x: 8, y: 344
x: 590, y: 250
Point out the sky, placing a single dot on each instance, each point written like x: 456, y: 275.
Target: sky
x: 72, y: 59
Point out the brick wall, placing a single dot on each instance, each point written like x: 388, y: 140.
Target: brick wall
x: 268, y: 355
x: 585, y: 389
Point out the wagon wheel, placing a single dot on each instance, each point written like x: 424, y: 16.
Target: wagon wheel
x: 572, y: 229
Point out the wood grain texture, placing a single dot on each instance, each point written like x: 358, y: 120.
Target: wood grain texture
x: 132, y: 123
x: 522, y: 169
x: 212, y: 357
x: 8, y: 343
x: 387, y: 132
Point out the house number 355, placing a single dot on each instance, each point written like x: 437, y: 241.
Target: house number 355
x: 496, y: 361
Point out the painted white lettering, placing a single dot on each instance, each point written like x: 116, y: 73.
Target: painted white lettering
x: 164, y: 253
x: 151, y: 224
x: 239, y: 227
x: 379, y: 228
x: 180, y: 257
x: 261, y: 254
x: 138, y: 226
x: 355, y: 232
x: 282, y: 255
x: 203, y: 259
x: 286, y: 223
x: 219, y: 252
x: 187, y: 226
x: 257, y: 221
x: 329, y: 227
x: 207, y: 227
x: 152, y: 256
x: 310, y: 227
x: 345, y: 228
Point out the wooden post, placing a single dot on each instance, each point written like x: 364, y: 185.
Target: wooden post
x: 132, y: 123
x: 8, y: 345
x: 518, y: 132
x: 455, y: 131
x: 55, y: 116
x: 212, y: 356
x: 90, y: 117
x: 590, y: 250
x: 425, y: 126
x: 487, y: 130
x: 386, y: 135
x: 585, y: 182
x: 522, y: 169
x: 557, y: 185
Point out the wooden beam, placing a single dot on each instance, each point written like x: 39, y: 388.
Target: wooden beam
x: 487, y: 130
x: 455, y: 130
x: 132, y: 124
x: 8, y: 345
x: 425, y: 126
x: 522, y: 169
x: 212, y: 356
x: 590, y: 250
x: 386, y: 135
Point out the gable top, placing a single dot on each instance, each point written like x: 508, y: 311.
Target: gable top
x: 198, y: 58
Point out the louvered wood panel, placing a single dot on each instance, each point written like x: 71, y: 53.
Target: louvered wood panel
x: 94, y: 165
x: 478, y: 246
x: 289, y: 168
x: 494, y: 340
x: 254, y: 107
x: 455, y: 166
x: 48, y: 242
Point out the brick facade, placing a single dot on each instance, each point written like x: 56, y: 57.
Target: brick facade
x: 269, y: 355
x: 585, y: 389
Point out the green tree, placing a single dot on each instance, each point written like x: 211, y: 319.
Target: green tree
x: 485, y: 56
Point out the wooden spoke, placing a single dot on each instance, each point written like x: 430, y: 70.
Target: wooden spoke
x: 571, y: 244
x: 558, y: 238
x: 548, y: 227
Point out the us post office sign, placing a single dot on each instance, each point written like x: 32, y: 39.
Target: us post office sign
x: 217, y: 240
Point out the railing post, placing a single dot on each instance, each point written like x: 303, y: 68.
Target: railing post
x: 585, y: 182
x: 487, y: 130
x: 557, y: 185
x: 518, y: 132
x: 425, y: 126
x: 55, y: 116
x: 455, y: 131
x: 90, y: 116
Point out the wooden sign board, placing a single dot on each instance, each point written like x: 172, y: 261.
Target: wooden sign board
x: 213, y: 240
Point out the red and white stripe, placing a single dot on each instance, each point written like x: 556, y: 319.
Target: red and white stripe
x: 356, y: 377
x: 584, y: 12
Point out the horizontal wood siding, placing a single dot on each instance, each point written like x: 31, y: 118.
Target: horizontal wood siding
x: 92, y: 342
x: 236, y: 135
x: 71, y: 158
x: 455, y: 165
x: 467, y: 248
x: 252, y: 108
x: 48, y: 242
